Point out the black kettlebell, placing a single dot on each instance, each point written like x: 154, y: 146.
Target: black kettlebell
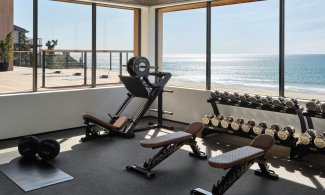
x: 48, y: 149
x: 28, y: 146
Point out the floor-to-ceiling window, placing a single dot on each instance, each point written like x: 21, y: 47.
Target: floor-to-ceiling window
x: 305, y: 49
x: 64, y: 44
x: 115, y: 32
x: 245, y: 47
x: 65, y: 31
x: 184, y: 47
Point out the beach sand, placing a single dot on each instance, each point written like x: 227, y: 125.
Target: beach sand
x: 249, y: 90
x: 20, y: 80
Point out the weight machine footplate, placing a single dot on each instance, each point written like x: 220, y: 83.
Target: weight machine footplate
x: 270, y: 174
x: 201, y: 156
x: 100, y: 135
x: 200, y: 191
x: 140, y: 170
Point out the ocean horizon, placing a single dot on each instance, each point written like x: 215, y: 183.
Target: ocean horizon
x: 304, y: 73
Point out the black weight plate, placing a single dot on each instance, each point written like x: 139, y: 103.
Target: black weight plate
x: 129, y: 66
x: 28, y: 146
x: 141, y: 66
x: 49, y: 149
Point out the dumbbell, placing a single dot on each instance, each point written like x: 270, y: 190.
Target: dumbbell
x: 224, y: 97
x: 252, y: 100
x: 217, y: 93
x: 292, y: 104
x: 286, y: 132
x: 214, y: 97
x: 235, y: 125
x: 215, y: 121
x: 278, y: 103
x: 207, y: 118
x: 225, y: 123
x: 319, y: 140
x: 259, y: 129
x: 266, y: 102
x: 272, y: 130
x: 234, y: 98
x: 322, y: 106
x: 313, y: 106
x: 307, y: 137
x: 243, y: 98
x: 46, y: 149
x: 247, y: 127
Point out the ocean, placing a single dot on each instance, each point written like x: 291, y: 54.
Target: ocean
x: 303, y: 73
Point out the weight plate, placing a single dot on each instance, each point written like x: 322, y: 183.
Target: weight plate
x: 141, y: 66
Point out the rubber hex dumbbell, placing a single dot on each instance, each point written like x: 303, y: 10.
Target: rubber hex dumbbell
x: 260, y: 128
x: 273, y: 130
x: 286, y: 132
x: 247, y: 127
x: 236, y: 125
x: 319, y: 140
x: 206, y: 119
x: 307, y: 137
x: 225, y: 123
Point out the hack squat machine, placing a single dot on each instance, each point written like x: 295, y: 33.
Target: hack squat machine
x: 139, y: 85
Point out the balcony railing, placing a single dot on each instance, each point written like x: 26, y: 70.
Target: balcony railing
x: 72, y: 66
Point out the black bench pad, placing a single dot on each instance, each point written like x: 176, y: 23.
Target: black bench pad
x: 235, y: 157
x: 172, y: 138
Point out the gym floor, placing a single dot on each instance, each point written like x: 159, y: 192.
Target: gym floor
x: 98, y: 167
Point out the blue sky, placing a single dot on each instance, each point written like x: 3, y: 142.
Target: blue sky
x: 250, y: 28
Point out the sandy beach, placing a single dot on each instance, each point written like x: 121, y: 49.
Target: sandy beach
x: 249, y: 90
x: 20, y: 80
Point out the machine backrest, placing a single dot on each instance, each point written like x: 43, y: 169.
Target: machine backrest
x: 194, y: 128
x: 263, y: 141
x: 135, y: 86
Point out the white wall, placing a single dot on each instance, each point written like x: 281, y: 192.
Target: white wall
x: 25, y: 114
x: 189, y: 105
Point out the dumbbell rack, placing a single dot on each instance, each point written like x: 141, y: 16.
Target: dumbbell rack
x: 290, y: 142
x: 302, y: 150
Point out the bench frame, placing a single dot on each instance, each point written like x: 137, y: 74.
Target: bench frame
x: 164, y: 153
x: 235, y: 173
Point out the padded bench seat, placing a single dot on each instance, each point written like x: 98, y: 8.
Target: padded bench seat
x: 118, y: 124
x: 164, y: 140
x: 235, y: 157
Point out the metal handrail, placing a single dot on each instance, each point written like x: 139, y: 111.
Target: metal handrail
x: 83, y: 59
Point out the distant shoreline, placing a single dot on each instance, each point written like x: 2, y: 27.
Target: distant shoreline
x: 249, y: 90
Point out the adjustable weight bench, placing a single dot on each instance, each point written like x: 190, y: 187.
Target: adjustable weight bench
x: 239, y: 161
x: 169, y: 144
x: 113, y: 127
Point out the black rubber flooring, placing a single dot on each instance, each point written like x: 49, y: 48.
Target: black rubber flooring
x: 98, y: 167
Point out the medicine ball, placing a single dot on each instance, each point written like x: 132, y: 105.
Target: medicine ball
x: 28, y: 146
x: 48, y: 149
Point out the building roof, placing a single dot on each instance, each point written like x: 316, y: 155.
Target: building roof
x: 20, y: 29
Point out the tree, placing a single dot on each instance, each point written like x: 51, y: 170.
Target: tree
x: 24, y: 43
x: 50, y: 46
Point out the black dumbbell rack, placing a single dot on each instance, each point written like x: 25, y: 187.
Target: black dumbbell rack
x: 295, y: 153
x: 302, y: 150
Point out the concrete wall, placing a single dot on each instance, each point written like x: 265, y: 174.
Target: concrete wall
x: 189, y: 105
x: 25, y: 114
